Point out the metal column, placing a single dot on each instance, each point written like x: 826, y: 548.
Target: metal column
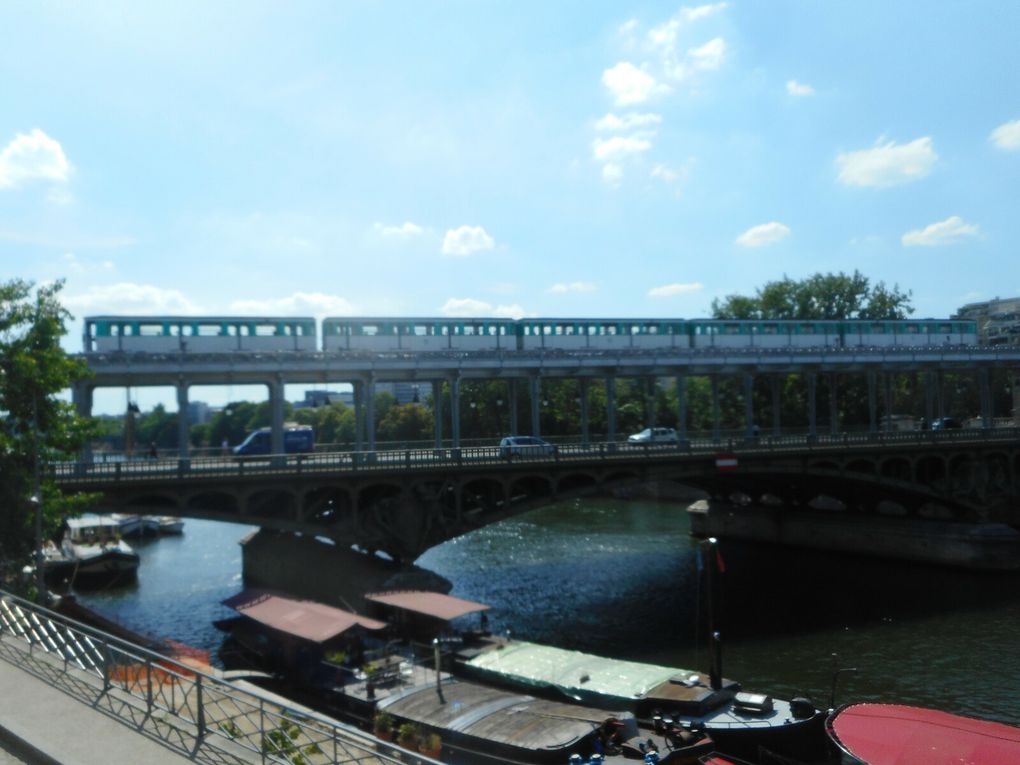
x: 183, y: 426
x: 833, y: 403
x: 777, y: 412
x: 749, y: 429
x: 370, y: 412
x: 611, y: 409
x: 929, y: 398
x: 985, y: 396
x: 514, y: 430
x: 583, y: 396
x: 650, y: 408
x: 276, y: 410
x: 716, y: 427
x: 81, y: 397
x: 887, y: 402
x: 455, y: 411
x: 359, y: 415
x: 437, y: 410
x: 812, y: 394
x: 535, y: 387
x: 681, y: 408
x: 872, y: 402
x: 940, y: 393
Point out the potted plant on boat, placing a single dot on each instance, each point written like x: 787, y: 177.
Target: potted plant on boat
x: 431, y: 745
x: 382, y: 726
x: 408, y: 735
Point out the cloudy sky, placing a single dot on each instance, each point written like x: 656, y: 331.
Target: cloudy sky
x: 516, y: 158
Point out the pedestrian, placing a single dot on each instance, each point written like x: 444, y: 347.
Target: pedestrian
x: 225, y: 447
x: 153, y: 453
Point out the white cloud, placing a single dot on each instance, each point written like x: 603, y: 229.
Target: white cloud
x: 887, y: 164
x: 664, y: 36
x: 952, y: 230
x: 630, y: 85
x: 404, y: 231
x: 130, y: 298
x: 630, y: 121
x: 665, y: 174
x: 467, y: 307
x: 467, y: 240
x: 618, y: 147
x: 75, y: 265
x: 612, y: 173
x: 708, y: 56
x: 1007, y: 136
x: 30, y: 157
x: 702, y: 11
x: 628, y: 27
x: 317, y: 304
x: 562, y: 288
x: 672, y: 290
x: 799, y: 89
x: 765, y: 234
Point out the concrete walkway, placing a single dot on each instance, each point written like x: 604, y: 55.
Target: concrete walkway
x: 40, y: 724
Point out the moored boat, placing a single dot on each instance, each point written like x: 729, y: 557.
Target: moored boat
x: 135, y: 526
x: 169, y: 524
x: 99, y: 555
x: 897, y: 734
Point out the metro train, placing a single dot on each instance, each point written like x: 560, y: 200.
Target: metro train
x: 153, y: 334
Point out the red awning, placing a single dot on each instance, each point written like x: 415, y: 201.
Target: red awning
x: 891, y: 734
x: 435, y: 604
x: 302, y: 618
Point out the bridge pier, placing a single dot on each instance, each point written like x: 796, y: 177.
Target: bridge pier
x: 514, y: 429
x: 276, y: 399
x: 872, y: 402
x: 611, y: 409
x: 716, y: 427
x: 455, y: 411
x: 749, y: 406
x: 183, y: 425
x: 370, y: 411
x: 777, y: 413
x: 812, y: 389
x: 437, y: 411
x: 81, y: 398
x: 681, y: 408
x: 535, y: 391
x: 583, y: 398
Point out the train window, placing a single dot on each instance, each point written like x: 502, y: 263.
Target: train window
x: 806, y: 329
x: 150, y: 330
x: 369, y: 330
x: 731, y: 329
x: 232, y: 330
x: 913, y: 329
x: 877, y: 328
x: 261, y: 330
x: 945, y: 329
x: 128, y: 330
x: 244, y: 329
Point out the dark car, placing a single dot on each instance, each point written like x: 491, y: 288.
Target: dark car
x: 525, y: 446
x: 946, y: 423
x: 297, y: 439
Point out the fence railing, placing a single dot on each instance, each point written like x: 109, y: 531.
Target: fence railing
x: 423, y: 459
x: 192, y: 703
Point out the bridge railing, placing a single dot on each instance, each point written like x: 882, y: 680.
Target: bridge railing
x: 91, y: 665
x: 424, y: 459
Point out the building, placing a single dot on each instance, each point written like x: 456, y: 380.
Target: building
x: 998, y: 320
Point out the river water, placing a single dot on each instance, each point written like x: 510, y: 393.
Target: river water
x: 620, y: 578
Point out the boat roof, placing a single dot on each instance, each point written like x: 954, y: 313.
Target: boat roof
x: 306, y: 619
x: 92, y: 521
x: 543, y: 665
x: 435, y: 604
x: 894, y: 734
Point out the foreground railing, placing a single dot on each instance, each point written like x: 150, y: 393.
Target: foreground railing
x: 423, y: 459
x: 176, y: 701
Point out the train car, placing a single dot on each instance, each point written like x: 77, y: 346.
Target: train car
x: 409, y: 335
x: 602, y: 334
x: 198, y: 334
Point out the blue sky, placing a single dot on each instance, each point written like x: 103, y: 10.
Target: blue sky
x: 480, y: 158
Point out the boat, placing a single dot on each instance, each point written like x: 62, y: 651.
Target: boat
x: 134, y: 526
x: 898, y: 734
x: 98, y: 553
x: 169, y: 524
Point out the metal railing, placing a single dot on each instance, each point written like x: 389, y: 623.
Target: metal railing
x: 191, y: 706
x: 423, y: 459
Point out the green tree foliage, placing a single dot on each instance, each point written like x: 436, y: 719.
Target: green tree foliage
x: 33, y: 370
x: 820, y: 296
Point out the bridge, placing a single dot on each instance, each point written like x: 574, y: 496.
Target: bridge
x: 405, y: 501
x: 363, y: 370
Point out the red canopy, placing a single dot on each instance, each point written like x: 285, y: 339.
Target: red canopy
x: 433, y: 604
x: 306, y: 619
x: 891, y: 734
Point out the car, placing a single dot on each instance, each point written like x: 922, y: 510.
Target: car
x: 297, y: 439
x: 654, y: 436
x: 946, y: 423
x: 525, y: 446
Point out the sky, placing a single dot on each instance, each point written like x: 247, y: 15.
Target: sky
x: 504, y: 158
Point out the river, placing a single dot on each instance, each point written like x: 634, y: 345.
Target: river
x: 620, y: 578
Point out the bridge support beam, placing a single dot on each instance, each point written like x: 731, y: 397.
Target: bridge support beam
x: 437, y: 410
x: 359, y: 415
x: 611, y: 409
x: 716, y: 427
x: 276, y: 414
x: 81, y: 397
x: 940, y: 394
x: 872, y: 402
x: 583, y: 400
x: 929, y: 398
x: 514, y: 429
x: 887, y: 402
x: 183, y: 426
x: 535, y: 385
x: 650, y: 409
x: 455, y: 411
x: 370, y: 411
x: 777, y: 411
x: 833, y: 403
x: 985, y: 396
x: 681, y: 408
x: 749, y: 406
x: 812, y: 396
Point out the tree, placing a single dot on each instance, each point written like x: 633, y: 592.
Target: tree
x: 820, y: 296
x: 38, y: 428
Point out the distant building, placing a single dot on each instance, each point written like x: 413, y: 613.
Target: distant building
x: 199, y: 412
x: 403, y: 392
x: 998, y: 320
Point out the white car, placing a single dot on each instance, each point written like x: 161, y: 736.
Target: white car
x: 655, y: 436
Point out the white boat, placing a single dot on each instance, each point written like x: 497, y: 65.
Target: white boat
x: 93, y: 543
x: 137, y: 525
x: 169, y: 524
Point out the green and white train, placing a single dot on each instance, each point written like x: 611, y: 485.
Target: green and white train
x: 153, y: 334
